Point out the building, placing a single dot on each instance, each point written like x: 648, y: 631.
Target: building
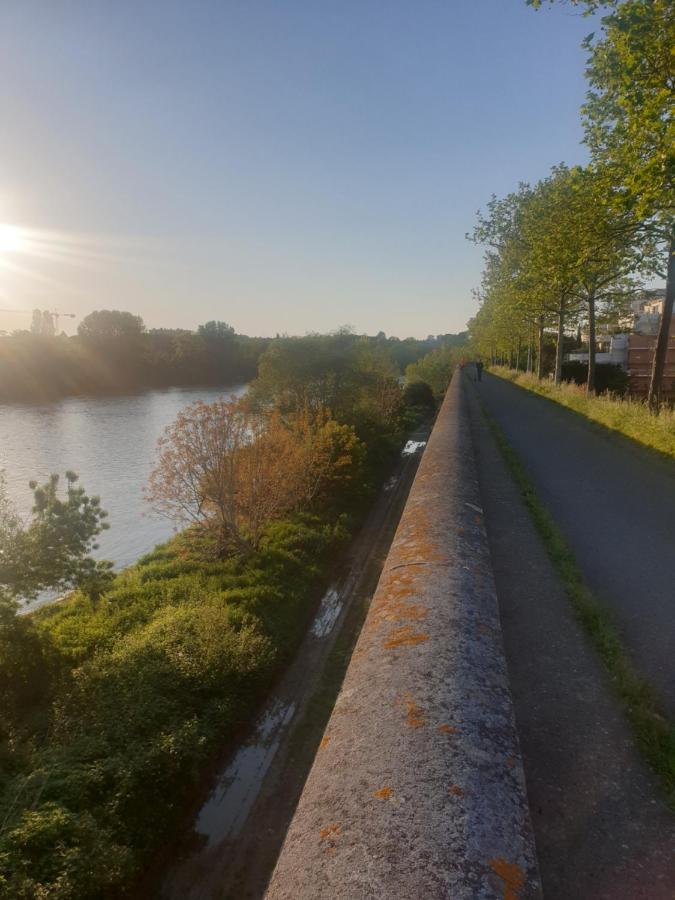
x: 647, y: 311
x: 611, y: 350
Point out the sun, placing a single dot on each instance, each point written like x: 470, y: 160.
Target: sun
x: 12, y: 239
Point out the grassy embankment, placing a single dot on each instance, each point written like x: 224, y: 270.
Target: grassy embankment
x: 629, y: 417
x: 137, y: 692
x: 654, y: 733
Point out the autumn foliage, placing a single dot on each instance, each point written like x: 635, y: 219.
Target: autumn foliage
x: 229, y: 468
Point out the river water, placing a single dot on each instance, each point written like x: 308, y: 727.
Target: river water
x: 111, y: 444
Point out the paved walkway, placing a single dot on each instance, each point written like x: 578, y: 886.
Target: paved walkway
x: 615, y: 503
x: 602, y: 828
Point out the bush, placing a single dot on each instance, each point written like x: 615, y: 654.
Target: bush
x: 608, y: 377
x: 135, y: 692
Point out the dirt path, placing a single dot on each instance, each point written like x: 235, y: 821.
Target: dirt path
x: 602, y: 828
x: 241, y: 826
x: 614, y: 501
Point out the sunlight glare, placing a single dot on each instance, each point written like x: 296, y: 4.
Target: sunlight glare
x: 12, y: 239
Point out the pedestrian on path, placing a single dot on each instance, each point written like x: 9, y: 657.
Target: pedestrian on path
x: 479, y: 370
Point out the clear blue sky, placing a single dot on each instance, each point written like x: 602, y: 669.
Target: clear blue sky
x: 285, y: 166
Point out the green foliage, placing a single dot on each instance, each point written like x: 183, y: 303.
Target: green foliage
x: 137, y: 691
x: 435, y: 369
x: 351, y: 376
x: 113, y: 353
x: 560, y: 254
x: 110, y: 324
x: 609, y: 377
x: 628, y: 114
x: 419, y: 401
x: 53, y: 551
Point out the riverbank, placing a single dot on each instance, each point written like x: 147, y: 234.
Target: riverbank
x: 111, y: 443
x: 117, y: 707
x: 125, y: 700
x: 631, y: 418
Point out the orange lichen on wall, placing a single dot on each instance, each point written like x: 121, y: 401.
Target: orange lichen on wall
x: 399, y: 612
x: 414, y: 714
x: 324, y: 742
x: 330, y: 831
x: 400, y: 637
x: 512, y: 876
x: 383, y: 793
x: 446, y: 729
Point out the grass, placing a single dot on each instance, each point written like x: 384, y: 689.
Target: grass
x: 631, y: 418
x: 654, y: 733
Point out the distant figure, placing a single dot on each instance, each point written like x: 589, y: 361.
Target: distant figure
x: 479, y: 370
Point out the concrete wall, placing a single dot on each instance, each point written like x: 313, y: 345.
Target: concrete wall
x: 418, y: 790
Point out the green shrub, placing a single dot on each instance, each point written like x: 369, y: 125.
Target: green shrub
x: 141, y: 687
x: 608, y: 377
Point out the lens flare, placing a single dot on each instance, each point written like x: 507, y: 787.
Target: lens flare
x: 12, y: 239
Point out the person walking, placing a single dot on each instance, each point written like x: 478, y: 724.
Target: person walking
x: 479, y: 370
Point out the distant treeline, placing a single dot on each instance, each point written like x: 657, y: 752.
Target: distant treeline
x: 114, y: 353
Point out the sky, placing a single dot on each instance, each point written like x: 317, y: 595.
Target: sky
x: 286, y: 166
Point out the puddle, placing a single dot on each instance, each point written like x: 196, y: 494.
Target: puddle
x: 227, y: 809
x: 329, y: 610
x: 412, y: 447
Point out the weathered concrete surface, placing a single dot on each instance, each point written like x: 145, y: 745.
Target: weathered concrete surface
x: 418, y: 789
x: 602, y: 827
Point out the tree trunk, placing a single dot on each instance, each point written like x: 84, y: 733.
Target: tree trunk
x: 530, y: 341
x: 590, y: 381
x: 540, y: 352
x: 518, y: 354
x: 559, y: 343
x: 654, y: 396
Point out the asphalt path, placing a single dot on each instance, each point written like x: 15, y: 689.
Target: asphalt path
x: 614, y: 501
x: 601, y: 824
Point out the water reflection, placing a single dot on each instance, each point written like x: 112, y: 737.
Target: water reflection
x: 227, y: 809
x: 111, y: 444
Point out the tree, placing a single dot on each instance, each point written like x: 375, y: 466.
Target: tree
x: 629, y: 126
x: 611, y: 250
x: 354, y: 377
x: 110, y: 324
x: 557, y: 252
x: 228, y: 468
x: 53, y: 551
x: 215, y: 330
x: 528, y: 274
x: 435, y: 369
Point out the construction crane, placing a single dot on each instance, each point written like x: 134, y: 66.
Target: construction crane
x: 54, y: 313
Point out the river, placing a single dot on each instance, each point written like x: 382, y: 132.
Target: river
x: 111, y: 444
